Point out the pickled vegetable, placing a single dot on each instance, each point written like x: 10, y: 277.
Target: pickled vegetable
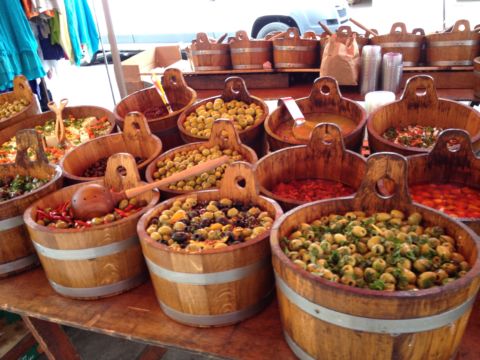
x: 311, y: 189
x: 8, y: 109
x: 18, y: 185
x: 413, y: 135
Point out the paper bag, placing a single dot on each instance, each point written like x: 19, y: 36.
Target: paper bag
x: 341, y: 60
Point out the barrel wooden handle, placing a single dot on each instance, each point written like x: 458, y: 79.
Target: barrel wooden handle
x: 224, y: 135
x: 309, y: 35
x: 371, y: 32
x: 239, y: 182
x: 460, y: 152
x: 185, y: 174
x: 344, y: 30
x: 459, y: 23
x: 325, y: 90
x: 398, y: 28
x: 327, y: 138
x: 420, y: 91
x: 418, y: 31
x: 173, y: 80
x: 292, y: 33
x: 118, y: 180
x: 22, y: 89
x: 30, y: 139
x: 136, y: 128
x: 325, y: 28
x: 202, y: 38
x: 236, y: 89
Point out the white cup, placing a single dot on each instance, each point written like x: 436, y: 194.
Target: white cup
x: 376, y: 99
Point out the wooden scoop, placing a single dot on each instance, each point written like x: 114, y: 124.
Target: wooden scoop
x: 302, y: 129
x: 59, y: 137
x: 161, y: 92
x: 94, y: 200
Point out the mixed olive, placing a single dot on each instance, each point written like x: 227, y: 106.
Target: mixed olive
x: 243, y: 115
x: 383, y: 251
x: 11, y: 187
x: 98, y: 168
x: 183, y: 160
x: 8, y: 108
x: 195, y: 225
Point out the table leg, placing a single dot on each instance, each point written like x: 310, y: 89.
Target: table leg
x: 52, y: 339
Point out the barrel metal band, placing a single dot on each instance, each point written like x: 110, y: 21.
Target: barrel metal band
x: 297, y: 350
x: 219, y: 277
x: 208, y: 68
x: 406, y: 44
x: 452, y: 43
x: 102, y: 290
x: 451, y: 63
x: 293, y: 48
x: 11, y: 223
x: 215, y: 320
x: 18, y: 264
x: 209, y: 52
x: 291, y: 65
x: 86, y: 254
x: 248, y: 50
x: 248, y: 66
x: 382, y: 326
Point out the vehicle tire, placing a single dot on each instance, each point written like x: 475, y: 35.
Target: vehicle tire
x: 270, y: 28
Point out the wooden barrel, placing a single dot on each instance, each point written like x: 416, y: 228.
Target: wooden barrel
x: 213, y: 287
x: 454, y: 48
x: 207, y: 55
x: 235, y: 89
x: 136, y: 139
x: 324, y: 157
x: 345, y: 31
x: 476, y: 75
x: 446, y: 164
x: 294, y: 52
x: 16, y: 250
x: 328, y: 320
x: 163, y: 124
x: 98, y: 261
x: 223, y: 135
x: 248, y: 54
x: 425, y: 109
x: 21, y: 91
x: 325, y: 97
x: 400, y: 41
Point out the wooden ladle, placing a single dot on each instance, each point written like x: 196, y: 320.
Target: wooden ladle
x: 59, y: 137
x: 302, y: 129
x: 161, y: 92
x: 93, y: 200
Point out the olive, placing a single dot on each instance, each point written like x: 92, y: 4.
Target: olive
x: 180, y: 236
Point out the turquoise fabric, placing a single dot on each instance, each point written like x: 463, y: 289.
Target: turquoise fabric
x: 18, y: 46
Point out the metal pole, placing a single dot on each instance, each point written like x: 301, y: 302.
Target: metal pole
x: 444, y: 16
x: 117, y: 67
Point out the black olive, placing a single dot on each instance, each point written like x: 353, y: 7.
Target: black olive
x: 154, y: 221
x: 197, y: 237
x: 193, y: 213
x: 222, y: 220
x: 180, y: 236
x: 238, y: 205
x: 206, y: 222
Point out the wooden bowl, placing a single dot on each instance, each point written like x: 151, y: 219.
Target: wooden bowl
x: 444, y: 164
x: 235, y: 89
x: 16, y: 250
x: 136, y: 139
x: 213, y: 287
x: 94, y: 262
x: 318, y: 315
x: 426, y: 110
x: 324, y: 157
x: 180, y: 97
x: 21, y: 90
x: 223, y: 134
x: 325, y: 97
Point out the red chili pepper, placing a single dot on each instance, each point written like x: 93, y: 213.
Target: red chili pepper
x: 42, y: 215
x: 129, y: 207
x: 121, y: 213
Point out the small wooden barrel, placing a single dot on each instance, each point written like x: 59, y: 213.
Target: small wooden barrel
x: 325, y: 97
x: 457, y: 165
x: 454, y: 48
x: 248, y: 54
x: 16, y: 250
x: 223, y: 134
x: 235, y: 89
x: 93, y: 262
x: 21, y: 90
x: 136, y: 139
x: 324, y: 157
x: 400, y: 41
x: 213, y: 287
x: 294, y: 52
x: 476, y: 74
x: 328, y: 320
x: 180, y: 97
x: 425, y: 110
x: 207, y: 55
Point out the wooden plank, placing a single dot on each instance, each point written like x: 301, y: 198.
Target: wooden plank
x: 446, y: 79
x: 51, y: 338
x: 10, y: 335
x: 24, y: 345
x: 253, y: 81
x: 152, y: 353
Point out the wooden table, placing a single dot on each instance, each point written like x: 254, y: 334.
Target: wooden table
x: 136, y: 315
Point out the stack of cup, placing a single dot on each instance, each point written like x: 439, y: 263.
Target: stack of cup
x: 371, y: 62
x: 392, y: 69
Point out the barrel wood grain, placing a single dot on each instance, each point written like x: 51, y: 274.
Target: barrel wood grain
x: 294, y: 51
x: 249, y: 53
x: 209, y: 55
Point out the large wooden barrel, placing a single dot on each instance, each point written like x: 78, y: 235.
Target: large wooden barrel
x: 223, y: 135
x: 235, y: 89
x: 136, y: 139
x: 295, y: 52
x: 248, y: 54
x: 323, y: 319
x: 16, y: 250
x: 162, y: 123
x: 21, y: 91
x: 476, y: 75
x: 98, y: 261
x: 213, y: 287
x: 454, y: 48
x: 400, y: 41
x: 324, y: 157
x: 208, y: 55
x: 451, y: 161
x: 419, y: 105
x: 324, y: 98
